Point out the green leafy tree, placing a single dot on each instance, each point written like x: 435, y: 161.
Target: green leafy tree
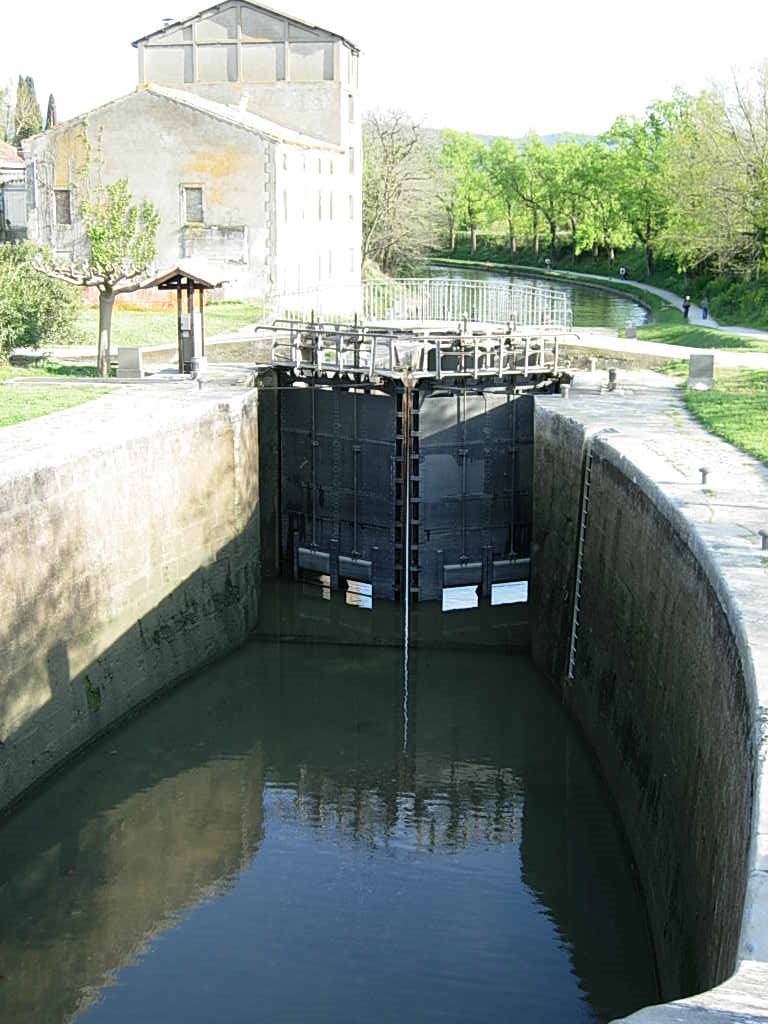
x: 462, y: 156
x: 643, y: 169
x: 33, y: 307
x: 596, y: 182
x: 122, y: 244
x: 505, y: 169
x: 28, y: 120
x: 718, y: 181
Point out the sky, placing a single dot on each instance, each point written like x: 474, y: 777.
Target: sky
x: 489, y: 67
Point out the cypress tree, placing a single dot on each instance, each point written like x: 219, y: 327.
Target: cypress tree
x: 28, y: 120
x: 50, y: 116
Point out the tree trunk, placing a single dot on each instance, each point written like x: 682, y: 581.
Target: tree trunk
x: 649, y: 258
x: 512, y: 237
x: 611, y: 256
x: 595, y: 251
x: 452, y: 232
x: 473, y: 236
x: 106, y: 305
x: 536, y: 232
x: 552, y: 238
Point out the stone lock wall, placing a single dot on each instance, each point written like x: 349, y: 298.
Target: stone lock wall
x: 661, y: 690
x: 131, y: 559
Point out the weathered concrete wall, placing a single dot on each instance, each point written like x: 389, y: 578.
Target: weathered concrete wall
x: 664, y: 689
x: 131, y: 558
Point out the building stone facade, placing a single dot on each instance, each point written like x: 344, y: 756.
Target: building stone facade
x: 244, y: 132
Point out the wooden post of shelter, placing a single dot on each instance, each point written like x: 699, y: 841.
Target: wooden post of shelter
x: 190, y: 325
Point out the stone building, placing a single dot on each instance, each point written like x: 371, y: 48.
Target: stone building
x: 244, y: 131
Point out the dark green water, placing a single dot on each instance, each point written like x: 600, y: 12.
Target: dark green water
x: 258, y: 846
x: 591, y: 306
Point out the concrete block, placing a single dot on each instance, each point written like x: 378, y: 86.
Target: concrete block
x: 129, y: 364
x: 701, y: 371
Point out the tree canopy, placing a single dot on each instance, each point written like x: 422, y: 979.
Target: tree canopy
x: 122, y: 245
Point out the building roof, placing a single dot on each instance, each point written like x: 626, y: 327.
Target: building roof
x: 9, y: 158
x: 240, y: 118
x: 199, y: 272
x: 221, y: 111
x: 256, y: 7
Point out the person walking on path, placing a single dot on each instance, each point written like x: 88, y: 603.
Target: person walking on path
x: 623, y: 273
x: 704, y: 308
x: 686, y: 306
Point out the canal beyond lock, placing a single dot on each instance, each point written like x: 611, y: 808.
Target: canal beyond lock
x: 592, y: 306
x: 258, y: 846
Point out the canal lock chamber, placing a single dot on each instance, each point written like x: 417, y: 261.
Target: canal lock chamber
x: 492, y: 512
x: 504, y: 506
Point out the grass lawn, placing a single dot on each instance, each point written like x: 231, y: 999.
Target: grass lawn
x: 138, y: 327
x: 29, y: 401
x: 736, y: 409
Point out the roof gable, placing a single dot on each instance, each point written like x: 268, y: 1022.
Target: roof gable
x: 254, y: 9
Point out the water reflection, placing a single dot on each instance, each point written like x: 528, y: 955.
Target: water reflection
x: 591, y: 306
x: 257, y: 846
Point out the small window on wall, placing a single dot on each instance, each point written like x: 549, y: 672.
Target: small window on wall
x: 193, y: 204
x: 319, y: 205
x: 351, y: 207
x: 330, y: 206
x: 351, y: 107
x: 63, y: 198
x: 285, y: 205
x: 351, y: 159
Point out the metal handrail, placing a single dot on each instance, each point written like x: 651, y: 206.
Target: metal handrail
x: 428, y: 300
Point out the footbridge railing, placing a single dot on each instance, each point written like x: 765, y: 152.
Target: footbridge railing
x: 527, y: 309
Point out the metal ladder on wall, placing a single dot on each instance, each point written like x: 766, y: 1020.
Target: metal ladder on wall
x: 586, y: 489
x: 586, y: 486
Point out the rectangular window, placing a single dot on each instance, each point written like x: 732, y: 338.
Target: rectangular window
x: 351, y: 159
x: 330, y: 263
x: 169, y: 64
x: 285, y: 161
x: 331, y: 167
x: 351, y: 261
x: 319, y: 165
x: 217, y: 63
x: 285, y: 205
x: 193, y: 205
x: 351, y: 107
x: 351, y: 207
x: 263, y: 62
x: 63, y: 198
x: 311, y: 62
x: 330, y: 205
x: 319, y: 205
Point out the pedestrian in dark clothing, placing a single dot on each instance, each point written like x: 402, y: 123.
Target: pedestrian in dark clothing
x: 686, y: 306
x: 623, y: 273
x: 704, y: 308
